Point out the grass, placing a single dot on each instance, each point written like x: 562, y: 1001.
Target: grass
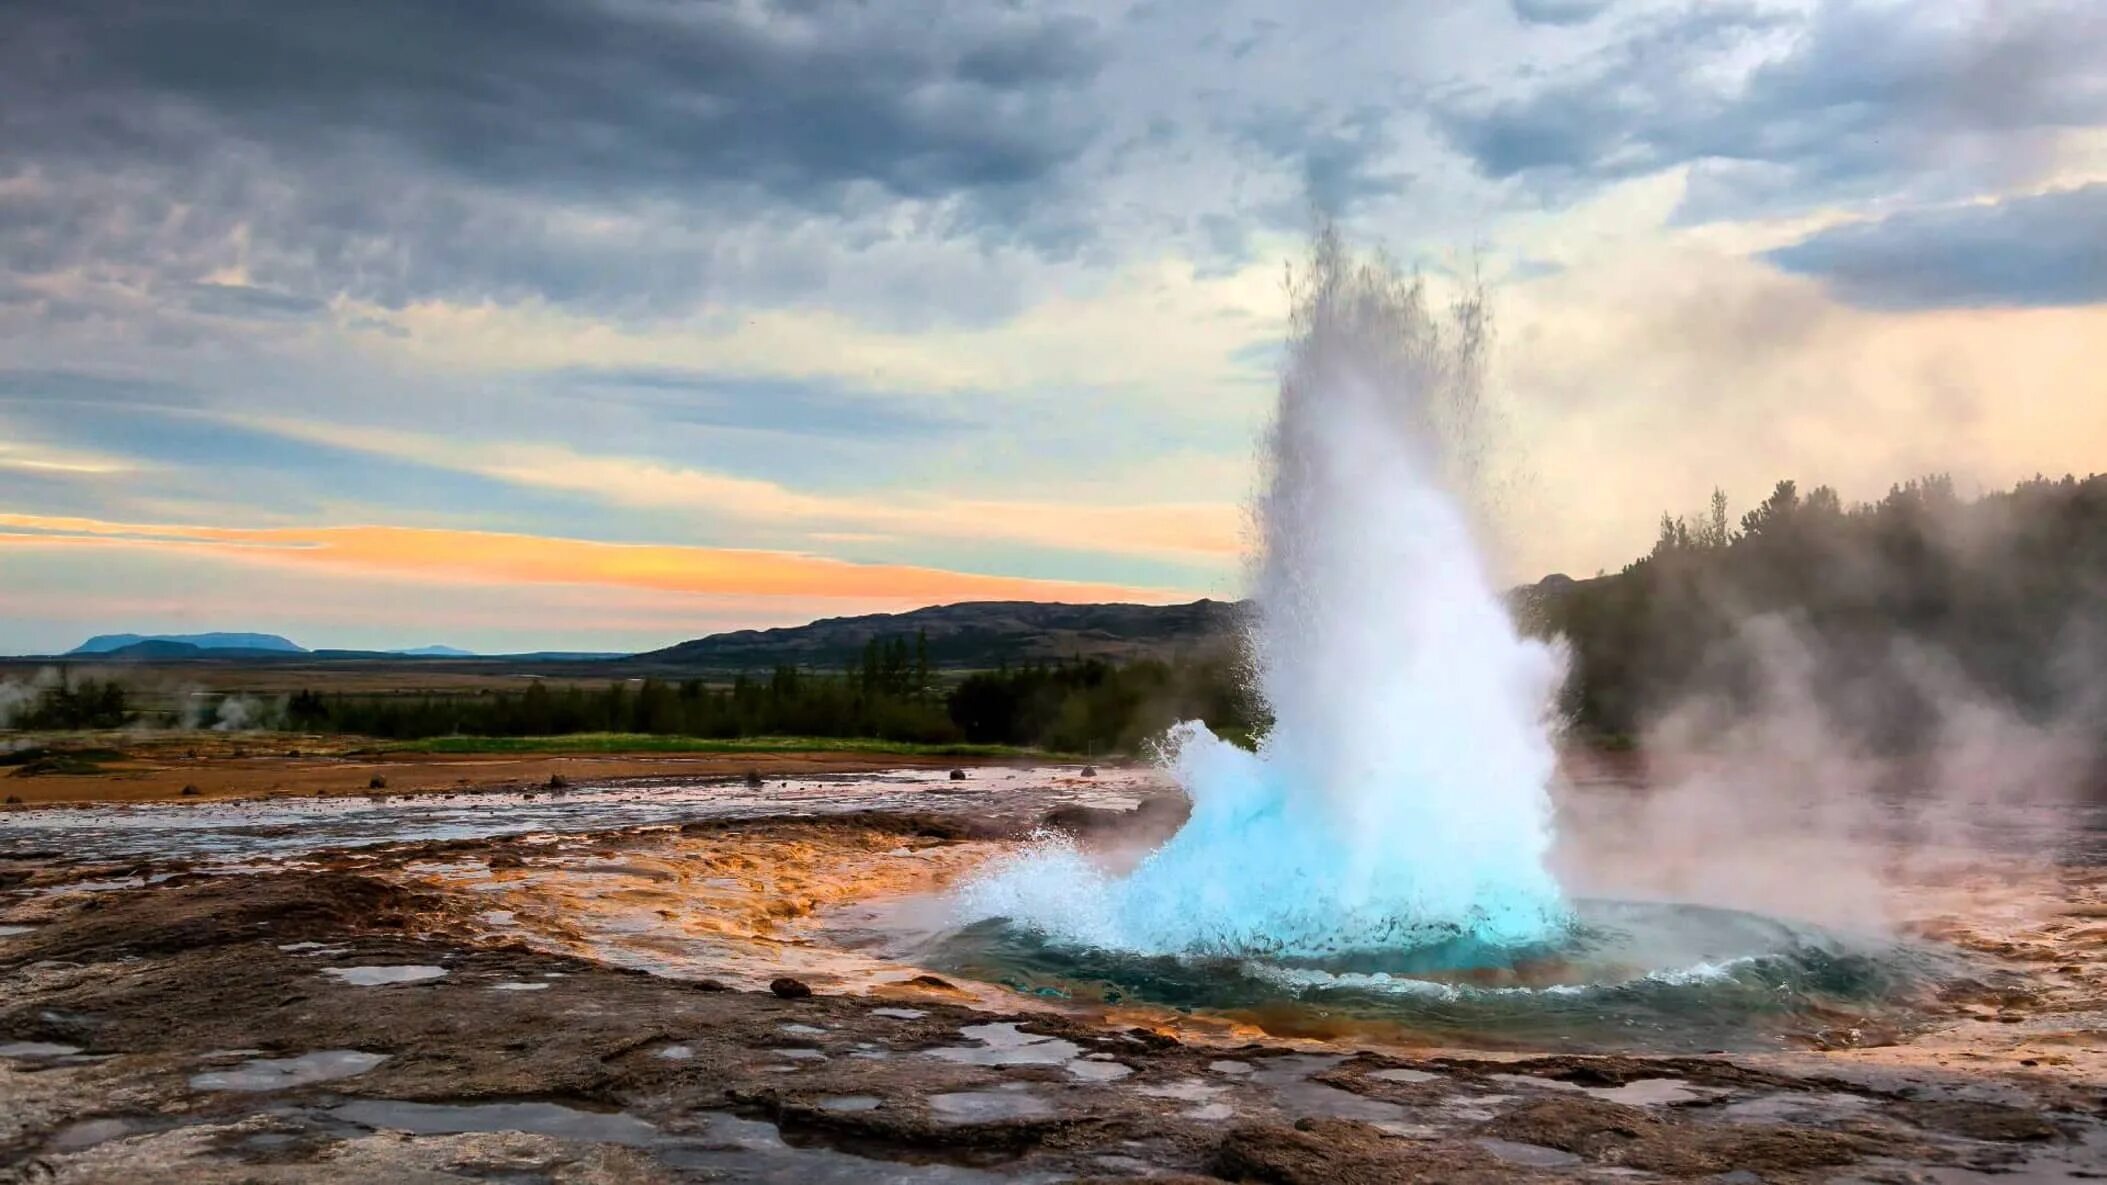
x: 629, y: 742
x: 33, y: 763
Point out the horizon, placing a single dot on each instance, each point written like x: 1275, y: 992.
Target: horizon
x: 370, y: 324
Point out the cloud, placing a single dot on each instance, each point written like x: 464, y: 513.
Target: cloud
x: 16, y: 454
x: 1557, y: 12
x: 1777, y: 111
x: 1207, y: 532
x: 80, y: 387
x: 2044, y: 250
x: 803, y: 101
x: 790, y: 406
x: 249, y: 302
x: 595, y: 152
x: 445, y: 556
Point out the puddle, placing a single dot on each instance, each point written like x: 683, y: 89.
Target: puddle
x: 78, y: 1137
x: 1794, y: 1108
x: 752, y: 1151
x: 1655, y: 1092
x: 1003, y: 1044
x: 15, y: 931
x: 1534, y: 1155
x: 1231, y: 1068
x: 1093, y: 1071
x: 1185, y: 1090
x: 1402, y: 1075
x: 37, y: 1049
x: 382, y: 976
x: 1532, y: 1082
x: 988, y: 1106
x: 802, y: 1030
x: 675, y: 1053
x: 541, y: 1119
x: 851, y: 1102
x: 519, y: 987
x: 1211, y: 1112
x: 1295, y: 1094
x: 900, y: 1013
x: 800, y: 1055
x: 287, y: 1072
x: 265, y: 1141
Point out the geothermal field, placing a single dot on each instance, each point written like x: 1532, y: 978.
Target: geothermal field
x: 1411, y: 932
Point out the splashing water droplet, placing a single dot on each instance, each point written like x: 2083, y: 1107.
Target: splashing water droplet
x: 1400, y: 798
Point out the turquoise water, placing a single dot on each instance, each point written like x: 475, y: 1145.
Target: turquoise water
x: 1625, y: 976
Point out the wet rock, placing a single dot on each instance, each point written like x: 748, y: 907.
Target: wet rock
x: 710, y: 985
x: 190, y: 792
x: 503, y: 860
x: 376, y: 782
x: 1159, y: 815
x: 786, y: 988
x: 1088, y: 771
x: 958, y: 775
x: 226, y: 911
x: 753, y: 779
x: 14, y: 800
x: 1178, y: 1179
x: 990, y: 1120
x: 558, y: 782
x: 1980, y: 1121
x: 919, y: 824
x: 1614, y: 1134
x: 1346, y: 1152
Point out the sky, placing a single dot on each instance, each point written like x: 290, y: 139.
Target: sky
x: 602, y: 324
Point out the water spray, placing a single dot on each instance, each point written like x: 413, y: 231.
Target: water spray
x: 1401, y: 797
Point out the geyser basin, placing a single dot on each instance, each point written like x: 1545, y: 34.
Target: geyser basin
x: 1626, y: 976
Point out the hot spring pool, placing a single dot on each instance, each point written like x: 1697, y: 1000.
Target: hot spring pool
x: 1628, y: 976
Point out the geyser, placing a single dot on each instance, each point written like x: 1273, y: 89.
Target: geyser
x: 1400, y: 798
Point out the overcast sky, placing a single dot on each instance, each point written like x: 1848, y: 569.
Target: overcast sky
x: 606, y: 323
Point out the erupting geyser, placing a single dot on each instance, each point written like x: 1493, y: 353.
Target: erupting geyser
x: 1400, y: 798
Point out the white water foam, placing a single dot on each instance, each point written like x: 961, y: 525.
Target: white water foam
x: 1401, y: 795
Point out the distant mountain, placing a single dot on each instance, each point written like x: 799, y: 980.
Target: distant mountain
x: 109, y: 643
x: 435, y: 652
x: 158, y: 650
x: 974, y: 634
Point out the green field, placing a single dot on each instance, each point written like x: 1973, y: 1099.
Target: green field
x: 630, y: 742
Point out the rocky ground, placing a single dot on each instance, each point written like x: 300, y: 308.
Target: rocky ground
x: 439, y: 1012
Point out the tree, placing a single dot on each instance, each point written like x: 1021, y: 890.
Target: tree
x: 1775, y: 512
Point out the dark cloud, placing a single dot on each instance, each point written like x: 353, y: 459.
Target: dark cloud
x: 1558, y: 12
x: 613, y: 154
x: 591, y: 97
x: 1857, y: 97
x: 2045, y: 250
x: 1340, y: 161
x: 248, y: 302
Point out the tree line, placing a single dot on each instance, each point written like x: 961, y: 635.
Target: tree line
x: 1888, y: 605
x: 1079, y: 706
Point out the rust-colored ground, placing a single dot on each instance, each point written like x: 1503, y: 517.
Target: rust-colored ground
x: 215, y: 767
